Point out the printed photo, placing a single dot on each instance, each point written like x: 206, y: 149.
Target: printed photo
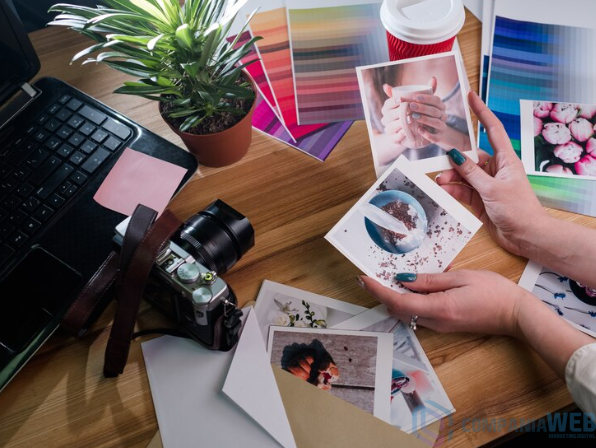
x: 417, y: 396
x: 352, y: 365
x: 573, y: 301
x: 283, y: 306
x: 417, y: 108
x: 559, y: 139
x: 403, y: 223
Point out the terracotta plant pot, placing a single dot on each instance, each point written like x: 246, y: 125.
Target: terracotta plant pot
x: 222, y: 148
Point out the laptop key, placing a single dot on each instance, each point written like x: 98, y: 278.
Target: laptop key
x: 65, y: 150
x: 5, y: 229
x: 21, y: 173
x: 54, y: 180
x: 41, y: 135
x: 77, y: 158
x: 52, y: 125
x: 36, y: 157
x: 18, y: 156
x: 79, y: 178
x: 24, y: 190
x: 112, y: 144
x: 31, y: 129
x: 95, y: 160
x: 53, y: 143
x: 31, y: 225
x: 44, y: 170
x: 87, y: 129
x: 93, y: 115
x: 30, y: 204
x: 75, y: 121
x: 100, y: 135
x: 71, y: 190
x: 64, y: 132
x: 42, y: 119
x: 76, y: 139
x: 74, y: 104
x: 44, y: 213
x: 64, y: 99
x: 54, y: 108
x: 11, y: 202
x: 56, y: 201
x: 17, y: 239
x: 17, y: 217
x: 119, y: 130
x: 64, y: 114
x: 88, y: 147
x: 62, y: 189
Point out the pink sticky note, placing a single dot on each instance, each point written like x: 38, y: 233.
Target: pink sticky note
x: 139, y: 179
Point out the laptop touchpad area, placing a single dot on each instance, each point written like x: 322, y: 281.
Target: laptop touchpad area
x: 31, y: 296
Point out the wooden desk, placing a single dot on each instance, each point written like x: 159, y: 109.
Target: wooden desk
x: 61, y: 399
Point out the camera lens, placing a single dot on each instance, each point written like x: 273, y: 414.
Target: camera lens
x: 217, y: 237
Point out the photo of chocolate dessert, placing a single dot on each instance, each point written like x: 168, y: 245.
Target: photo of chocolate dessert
x: 404, y: 223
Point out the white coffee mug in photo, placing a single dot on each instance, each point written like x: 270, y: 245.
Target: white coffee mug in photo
x: 411, y: 127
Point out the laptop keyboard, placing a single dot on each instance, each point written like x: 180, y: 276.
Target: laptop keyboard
x: 42, y: 169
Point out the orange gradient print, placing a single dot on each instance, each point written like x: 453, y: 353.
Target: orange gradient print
x: 275, y: 54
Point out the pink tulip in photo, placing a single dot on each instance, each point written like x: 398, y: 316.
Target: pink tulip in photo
x: 591, y: 146
x: 564, y: 112
x: 587, y: 112
x: 537, y: 126
x: 556, y: 133
x: 569, y: 152
x: 558, y: 169
x: 542, y: 109
x: 581, y: 129
x: 586, y: 166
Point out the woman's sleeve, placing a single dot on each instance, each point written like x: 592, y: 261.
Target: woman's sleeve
x: 580, y: 375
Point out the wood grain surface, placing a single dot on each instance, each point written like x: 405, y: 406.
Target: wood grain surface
x: 60, y: 399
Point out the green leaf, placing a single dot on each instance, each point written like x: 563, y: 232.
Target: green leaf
x: 151, y: 44
x: 148, y: 7
x: 191, y: 122
x: 192, y: 69
x: 145, y: 89
x: 91, y: 49
x: 184, y: 37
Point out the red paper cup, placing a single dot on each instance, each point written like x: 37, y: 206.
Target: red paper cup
x: 421, y: 28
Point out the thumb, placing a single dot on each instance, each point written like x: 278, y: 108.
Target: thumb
x: 433, y: 84
x: 469, y: 170
x: 387, y: 89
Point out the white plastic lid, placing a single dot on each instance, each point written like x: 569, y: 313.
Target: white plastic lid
x: 423, y: 22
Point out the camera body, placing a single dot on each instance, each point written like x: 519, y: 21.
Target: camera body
x: 184, y: 282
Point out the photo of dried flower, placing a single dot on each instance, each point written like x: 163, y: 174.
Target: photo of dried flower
x: 559, y: 138
x: 404, y: 223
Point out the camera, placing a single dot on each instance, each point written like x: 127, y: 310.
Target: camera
x: 185, y: 282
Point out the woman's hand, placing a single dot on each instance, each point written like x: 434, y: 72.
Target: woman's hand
x: 463, y: 301
x: 496, y: 188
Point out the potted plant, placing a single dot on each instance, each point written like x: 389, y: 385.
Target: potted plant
x: 183, y: 59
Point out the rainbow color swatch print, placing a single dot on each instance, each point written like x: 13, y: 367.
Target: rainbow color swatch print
x: 327, y: 45
x: 540, y: 62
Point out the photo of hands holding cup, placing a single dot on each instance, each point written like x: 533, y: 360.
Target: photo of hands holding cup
x: 418, y: 108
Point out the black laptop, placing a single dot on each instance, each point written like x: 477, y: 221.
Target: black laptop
x: 56, y: 147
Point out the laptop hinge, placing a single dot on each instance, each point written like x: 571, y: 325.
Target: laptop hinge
x: 17, y: 103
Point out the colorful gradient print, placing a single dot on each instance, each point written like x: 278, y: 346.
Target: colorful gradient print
x: 274, y: 50
x: 318, y: 144
x: 544, y: 63
x: 540, y: 62
x: 327, y: 45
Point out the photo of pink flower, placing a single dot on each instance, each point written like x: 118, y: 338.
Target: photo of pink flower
x: 564, y: 138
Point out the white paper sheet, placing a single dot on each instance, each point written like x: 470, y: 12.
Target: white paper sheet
x: 251, y: 384
x: 186, y: 382
x: 475, y: 7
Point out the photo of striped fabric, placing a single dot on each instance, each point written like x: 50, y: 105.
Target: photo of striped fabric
x: 274, y: 51
x: 327, y: 44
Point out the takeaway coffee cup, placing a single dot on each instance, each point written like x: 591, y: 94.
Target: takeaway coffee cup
x: 413, y: 138
x: 421, y: 27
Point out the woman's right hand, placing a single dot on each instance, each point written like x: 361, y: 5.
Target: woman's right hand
x: 496, y: 188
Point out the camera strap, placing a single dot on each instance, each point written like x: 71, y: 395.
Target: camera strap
x: 124, y: 276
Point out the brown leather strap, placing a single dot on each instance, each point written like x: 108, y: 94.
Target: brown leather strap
x: 93, y: 299
x: 140, y: 223
x: 130, y: 291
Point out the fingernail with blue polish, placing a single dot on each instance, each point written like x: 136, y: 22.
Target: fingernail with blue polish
x: 415, y: 116
x: 405, y: 277
x: 457, y: 157
x: 413, y: 106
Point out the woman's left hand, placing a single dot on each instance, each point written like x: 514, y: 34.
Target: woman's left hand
x: 466, y: 301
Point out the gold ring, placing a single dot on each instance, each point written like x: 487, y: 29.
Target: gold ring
x: 487, y: 162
